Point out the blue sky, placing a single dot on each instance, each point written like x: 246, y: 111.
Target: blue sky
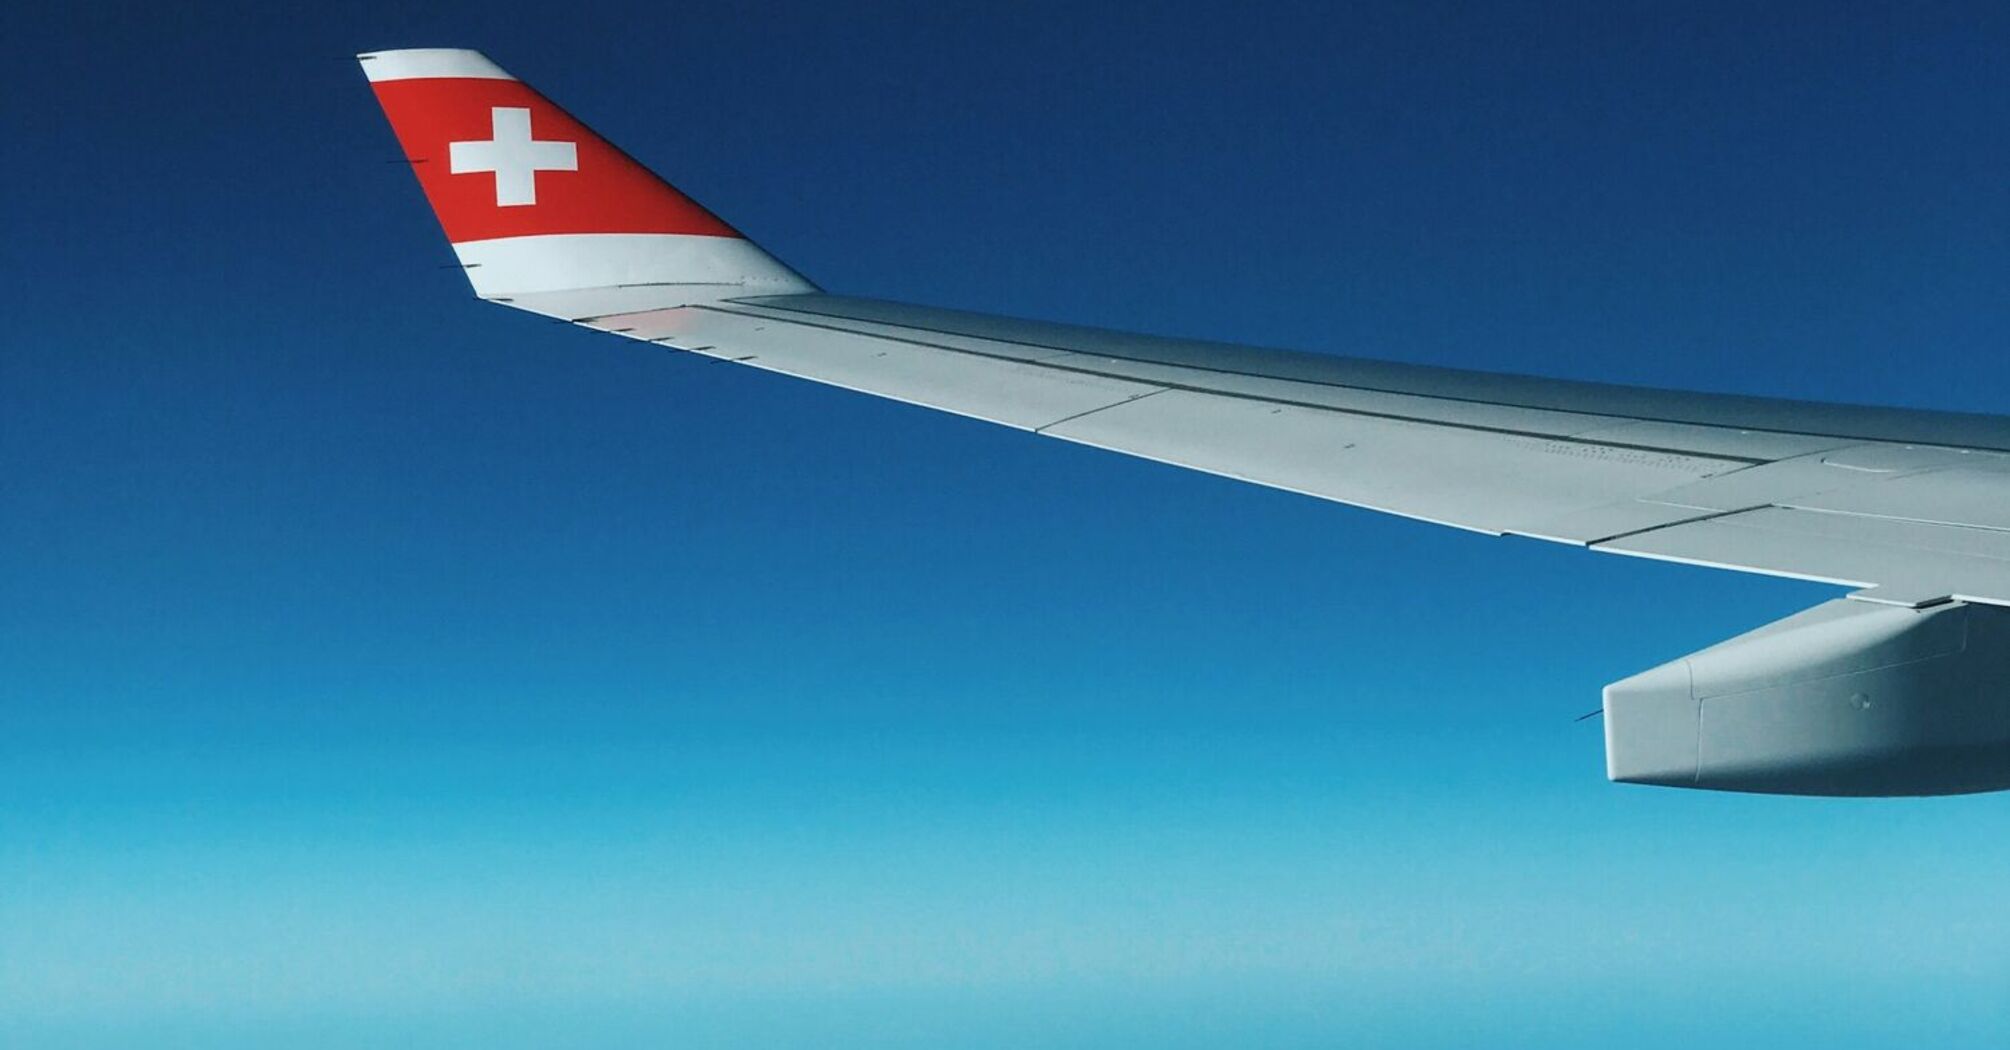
x: 377, y: 666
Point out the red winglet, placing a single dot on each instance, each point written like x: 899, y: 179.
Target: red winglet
x: 497, y: 159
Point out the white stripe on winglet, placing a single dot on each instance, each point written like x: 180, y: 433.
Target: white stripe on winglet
x: 424, y: 62
x: 559, y: 262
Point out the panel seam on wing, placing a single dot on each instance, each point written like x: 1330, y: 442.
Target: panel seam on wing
x: 1238, y: 395
x: 1100, y: 408
x: 1747, y: 460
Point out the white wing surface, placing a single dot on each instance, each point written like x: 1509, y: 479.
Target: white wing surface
x: 1913, y: 507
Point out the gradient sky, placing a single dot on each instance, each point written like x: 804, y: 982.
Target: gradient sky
x: 378, y: 667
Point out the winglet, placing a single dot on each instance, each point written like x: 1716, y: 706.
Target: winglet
x: 535, y: 202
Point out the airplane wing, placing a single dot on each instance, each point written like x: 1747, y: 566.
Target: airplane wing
x: 1912, y: 509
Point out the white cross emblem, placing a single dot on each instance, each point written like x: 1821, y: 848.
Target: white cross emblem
x: 510, y: 153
